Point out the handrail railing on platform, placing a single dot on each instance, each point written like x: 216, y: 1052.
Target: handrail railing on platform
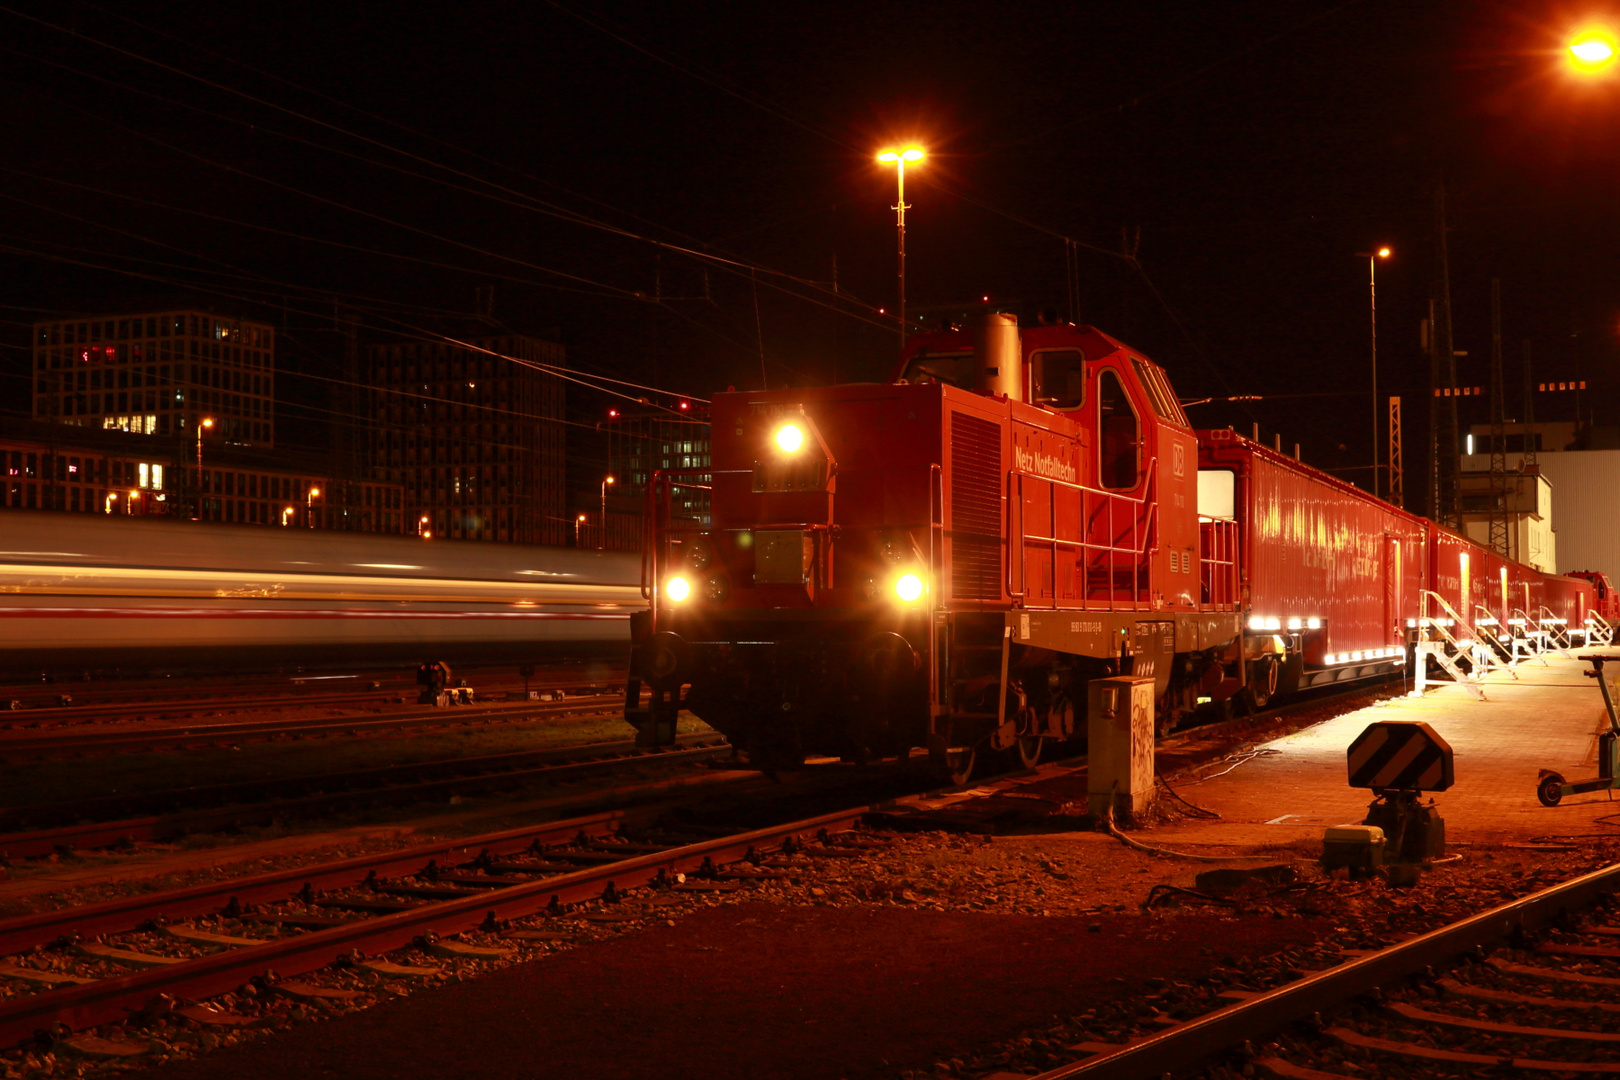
x: 1530, y: 644
x: 1598, y: 629
x: 1557, y: 636
x: 1427, y: 646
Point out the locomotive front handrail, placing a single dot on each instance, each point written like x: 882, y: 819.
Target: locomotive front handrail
x: 654, y: 513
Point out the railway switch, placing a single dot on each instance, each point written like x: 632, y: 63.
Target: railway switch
x: 1399, y: 760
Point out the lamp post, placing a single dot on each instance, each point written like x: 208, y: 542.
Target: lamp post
x: 309, y: 506
x: 601, y: 529
x: 112, y: 497
x: 1372, y: 258
x: 134, y: 501
x: 580, y: 520
x: 898, y: 159
x: 205, y: 422
x: 422, y: 529
x: 286, y: 515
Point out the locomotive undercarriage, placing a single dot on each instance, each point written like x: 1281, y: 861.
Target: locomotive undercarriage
x: 831, y: 686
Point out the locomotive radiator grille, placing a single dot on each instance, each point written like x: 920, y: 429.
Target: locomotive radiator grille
x: 975, y: 508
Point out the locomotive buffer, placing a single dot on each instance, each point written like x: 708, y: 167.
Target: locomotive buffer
x: 1399, y: 760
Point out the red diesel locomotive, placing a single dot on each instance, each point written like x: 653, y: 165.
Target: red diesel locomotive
x: 946, y: 560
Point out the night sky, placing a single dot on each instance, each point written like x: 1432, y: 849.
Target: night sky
x: 672, y: 190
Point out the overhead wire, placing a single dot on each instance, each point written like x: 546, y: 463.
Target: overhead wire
x: 421, y: 333
x: 736, y: 265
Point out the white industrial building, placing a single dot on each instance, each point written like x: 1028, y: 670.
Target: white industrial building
x: 1563, y: 516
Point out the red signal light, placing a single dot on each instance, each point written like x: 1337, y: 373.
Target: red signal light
x: 613, y: 414
x: 685, y: 405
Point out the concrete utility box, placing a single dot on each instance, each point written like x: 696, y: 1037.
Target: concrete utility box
x: 1119, y: 744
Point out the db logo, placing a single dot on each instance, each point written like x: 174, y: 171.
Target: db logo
x: 1178, y: 459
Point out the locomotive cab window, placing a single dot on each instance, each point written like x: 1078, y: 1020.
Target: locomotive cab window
x: 1119, y: 433
x: 956, y: 368
x: 1059, y: 379
x: 1158, y: 391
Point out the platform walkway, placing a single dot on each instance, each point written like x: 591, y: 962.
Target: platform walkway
x: 1548, y: 718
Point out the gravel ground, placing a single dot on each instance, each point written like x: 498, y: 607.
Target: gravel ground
x: 1127, y: 969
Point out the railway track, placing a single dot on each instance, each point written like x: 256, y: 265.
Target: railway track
x: 311, y: 690
x: 81, y: 824
x: 1530, y: 985
x: 183, y: 735
x: 114, y: 960
x: 99, y: 822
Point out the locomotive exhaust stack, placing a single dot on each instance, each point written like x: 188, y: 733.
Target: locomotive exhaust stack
x: 1000, y: 359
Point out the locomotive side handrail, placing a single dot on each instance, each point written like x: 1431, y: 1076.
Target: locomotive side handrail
x: 1135, y: 537
x: 1217, y: 564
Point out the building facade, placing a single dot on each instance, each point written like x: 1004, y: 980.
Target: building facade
x: 474, y: 435
x: 104, y: 473
x: 642, y: 441
x: 158, y: 373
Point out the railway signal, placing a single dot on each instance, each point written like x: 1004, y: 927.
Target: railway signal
x: 1398, y: 760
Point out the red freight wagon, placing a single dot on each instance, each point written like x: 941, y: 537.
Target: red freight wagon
x: 1330, y: 574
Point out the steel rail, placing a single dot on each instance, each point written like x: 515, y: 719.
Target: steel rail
x: 110, y: 1000
x: 182, y: 734
x: 1188, y: 1047
x: 51, y: 713
x: 499, y: 770
x: 25, y: 932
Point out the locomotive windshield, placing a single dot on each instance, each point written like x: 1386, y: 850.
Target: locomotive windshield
x: 955, y: 368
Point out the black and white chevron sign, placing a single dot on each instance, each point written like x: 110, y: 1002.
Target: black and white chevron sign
x: 1400, y: 755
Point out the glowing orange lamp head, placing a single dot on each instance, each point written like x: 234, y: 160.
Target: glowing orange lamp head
x: 904, y: 155
x: 1592, y: 51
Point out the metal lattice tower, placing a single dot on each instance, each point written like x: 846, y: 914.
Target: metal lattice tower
x: 1396, y: 494
x: 1499, y: 537
x: 1443, y: 372
x: 1530, y: 438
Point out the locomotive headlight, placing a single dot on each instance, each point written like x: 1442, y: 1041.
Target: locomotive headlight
x: 717, y: 588
x: 908, y: 587
x: 789, y: 437
x: 677, y: 588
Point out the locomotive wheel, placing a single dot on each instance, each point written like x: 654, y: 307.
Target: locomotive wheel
x: 1547, y: 790
x: 1029, y: 750
x: 1262, y: 681
x: 954, y: 766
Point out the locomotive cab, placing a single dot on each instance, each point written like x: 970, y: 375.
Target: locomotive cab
x: 941, y: 561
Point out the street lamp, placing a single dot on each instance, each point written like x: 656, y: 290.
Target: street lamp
x: 898, y: 159
x: 1372, y: 258
x: 577, y: 523
x: 309, y: 506
x: 286, y: 515
x: 601, y: 530
x: 422, y: 529
x: 112, y: 497
x: 206, y: 422
x: 134, y: 500
x: 1592, y: 51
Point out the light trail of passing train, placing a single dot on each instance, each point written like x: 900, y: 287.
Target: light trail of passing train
x: 84, y: 592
